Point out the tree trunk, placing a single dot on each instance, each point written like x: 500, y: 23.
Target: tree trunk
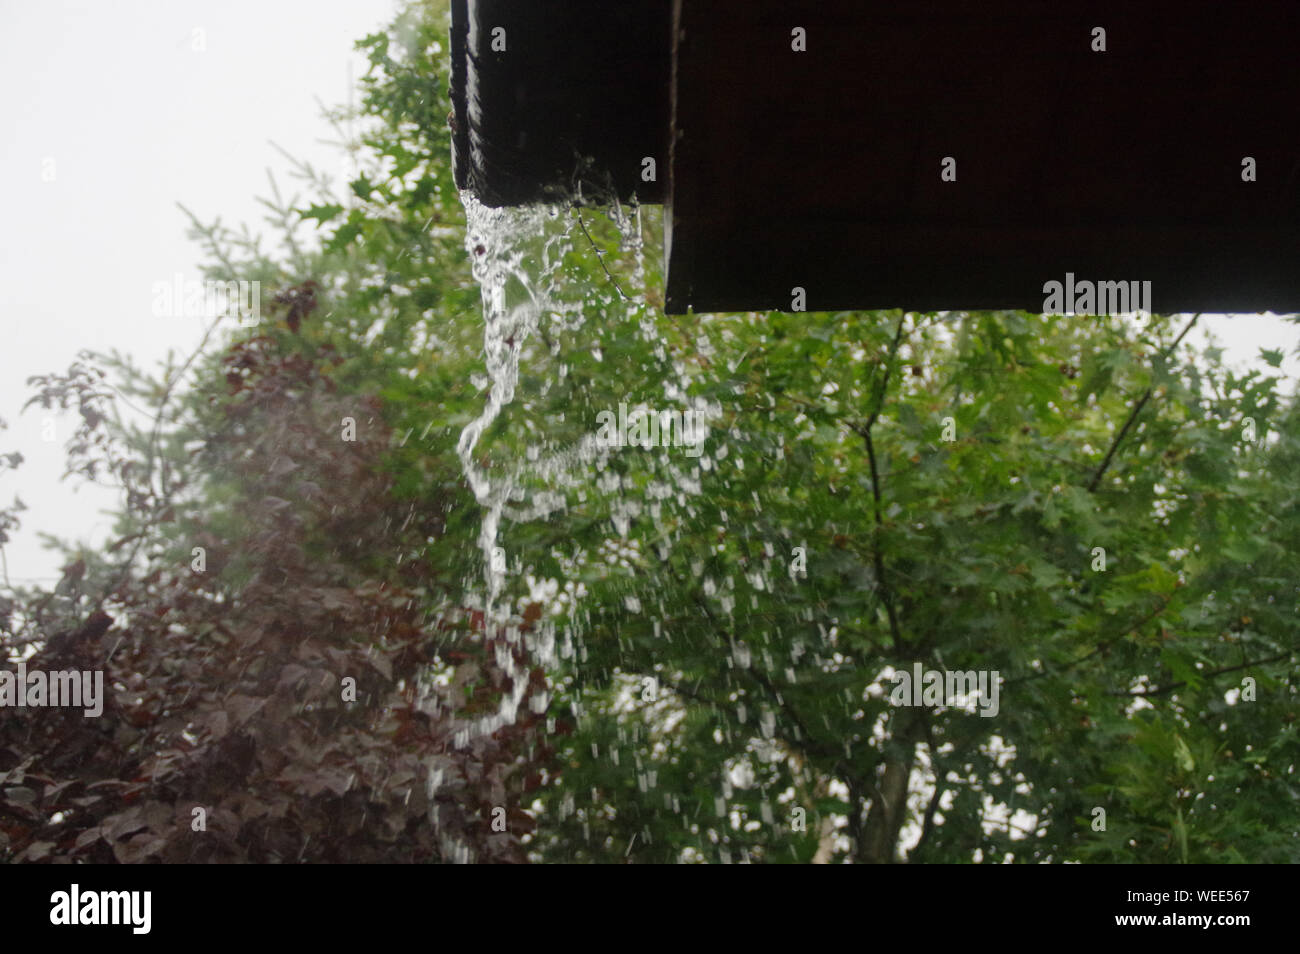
x: 879, y: 839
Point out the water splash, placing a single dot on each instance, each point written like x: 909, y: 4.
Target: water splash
x: 512, y: 256
x: 515, y: 254
x: 531, y: 304
x: 496, y: 240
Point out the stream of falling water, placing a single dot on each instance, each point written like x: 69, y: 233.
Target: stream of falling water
x: 514, y: 254
x: 513, y: 302
x: 517, y: 256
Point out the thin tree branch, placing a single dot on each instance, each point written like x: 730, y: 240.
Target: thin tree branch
x: 1137, y: 409
x: 600, y: 258
x: 927, y: 823
x: 1099, y: 648
x: 1162, y: 690
x: 864, y: 431
x: 886, y: 593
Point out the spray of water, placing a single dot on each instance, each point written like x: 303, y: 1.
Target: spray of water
x: 513, y: 286
x: 516, y: 256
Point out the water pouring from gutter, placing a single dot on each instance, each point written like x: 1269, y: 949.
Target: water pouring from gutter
x: 512, y: 306
x: 525, y: 155
x: 517, y: 257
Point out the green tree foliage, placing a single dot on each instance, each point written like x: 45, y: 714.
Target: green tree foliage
x: 970, y: 554
x: 1075, y: 503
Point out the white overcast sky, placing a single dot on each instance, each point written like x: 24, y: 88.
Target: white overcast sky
x: 136, y: 119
